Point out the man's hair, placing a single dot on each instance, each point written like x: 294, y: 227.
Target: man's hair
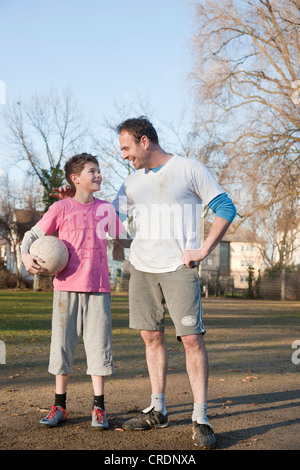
x: 138, y: 127
x: 75, y: 165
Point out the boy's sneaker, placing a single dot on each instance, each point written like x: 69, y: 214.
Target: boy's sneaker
x: 203, y: 436
x: 57, y: 415
x: 99, y: 420
x: 147, y: 420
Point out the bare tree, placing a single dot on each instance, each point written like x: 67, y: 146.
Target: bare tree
x: 246, y: 75
x: 43, y: 132
x: 20, y: 209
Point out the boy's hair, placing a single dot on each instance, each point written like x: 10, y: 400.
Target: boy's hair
x: 138, y: 127
x: 75, y: 165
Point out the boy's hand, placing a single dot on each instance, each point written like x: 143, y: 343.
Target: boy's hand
x: 62, y: 192
x: 32, y: 264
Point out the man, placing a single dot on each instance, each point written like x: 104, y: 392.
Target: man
x: 167, y: 193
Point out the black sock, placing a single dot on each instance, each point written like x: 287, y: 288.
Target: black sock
x: 99, y: 401
x: 60, y: 400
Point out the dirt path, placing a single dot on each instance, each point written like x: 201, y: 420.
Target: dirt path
x: 253, y: 400
x: 246, y: 412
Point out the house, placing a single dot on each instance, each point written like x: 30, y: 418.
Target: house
x: 22, y: 220
x: 227, y: 266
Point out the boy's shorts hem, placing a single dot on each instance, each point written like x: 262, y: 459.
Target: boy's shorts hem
x: 88, y: 372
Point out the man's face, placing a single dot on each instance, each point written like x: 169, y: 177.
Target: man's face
x: 132, y: 151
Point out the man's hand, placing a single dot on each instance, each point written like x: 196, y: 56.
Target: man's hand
x: 218, y: 230
x: 32, y: 264
x: 62, y: 192
x: 191, y: 257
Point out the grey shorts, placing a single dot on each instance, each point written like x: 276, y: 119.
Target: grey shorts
x: 86, y: 314
x: 179, y: 291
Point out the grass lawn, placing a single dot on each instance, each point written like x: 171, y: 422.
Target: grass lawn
x: 241, y: 335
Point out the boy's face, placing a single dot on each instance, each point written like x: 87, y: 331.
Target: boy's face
x: 89, y: 179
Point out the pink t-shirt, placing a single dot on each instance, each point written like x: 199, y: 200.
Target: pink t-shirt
x: 83, y: 228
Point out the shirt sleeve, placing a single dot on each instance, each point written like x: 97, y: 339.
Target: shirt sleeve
x: 122, y: 203
x: 30, y: 236
x: 203, y: 183
x: 49, y: 221
x: 223, y: 207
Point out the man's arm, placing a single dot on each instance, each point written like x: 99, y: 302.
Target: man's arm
x: 125, y: 242
x: 217, y: 232
x: 62, y: 192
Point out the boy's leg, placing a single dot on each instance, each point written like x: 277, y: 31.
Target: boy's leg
x: 65, y: 332
x: 98, y: 384
x: 58, y: 412
x: 61, y: 383
x: 66, y: 329
x: 98, y: 345
x: 99, y: 420
x: 97, y: 335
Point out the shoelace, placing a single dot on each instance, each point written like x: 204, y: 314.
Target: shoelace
x: 52, y: 413
x: 99, y: 414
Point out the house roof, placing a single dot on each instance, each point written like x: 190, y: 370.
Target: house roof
x: 25, y: 219
x: 235, y: 233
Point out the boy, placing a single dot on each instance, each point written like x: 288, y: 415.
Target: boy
x: 81, y: 298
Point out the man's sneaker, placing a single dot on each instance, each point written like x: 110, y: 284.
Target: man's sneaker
x: 57, y: 415
x: 99, y: 420
x: 147, y: 420
x: 203, y: 436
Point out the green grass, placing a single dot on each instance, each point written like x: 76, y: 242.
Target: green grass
x: 26, y: 315
x: 241, y: 335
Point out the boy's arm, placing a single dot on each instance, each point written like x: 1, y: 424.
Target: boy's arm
x: 30, y: 262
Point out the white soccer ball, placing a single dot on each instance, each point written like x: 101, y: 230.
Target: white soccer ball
x: 52, y: 251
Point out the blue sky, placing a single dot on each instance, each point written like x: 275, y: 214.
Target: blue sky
x: 107, y: 52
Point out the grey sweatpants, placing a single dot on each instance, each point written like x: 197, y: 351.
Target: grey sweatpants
x: 76, y: 313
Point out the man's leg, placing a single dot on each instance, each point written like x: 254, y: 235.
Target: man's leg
x: 156, y: 357
x: 197, y: 370
x: 155, y: 416
x: 196, y: 366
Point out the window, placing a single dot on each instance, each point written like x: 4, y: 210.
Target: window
x: 247, y: 263
x: 247, y: 248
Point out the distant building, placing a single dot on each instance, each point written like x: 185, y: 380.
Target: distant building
x: 22, y: 220
x: 228, y: 264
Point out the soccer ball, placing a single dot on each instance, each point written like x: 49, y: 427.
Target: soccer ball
x: 52, y: 251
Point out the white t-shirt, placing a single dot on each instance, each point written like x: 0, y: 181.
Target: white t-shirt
x: 167, y: 206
